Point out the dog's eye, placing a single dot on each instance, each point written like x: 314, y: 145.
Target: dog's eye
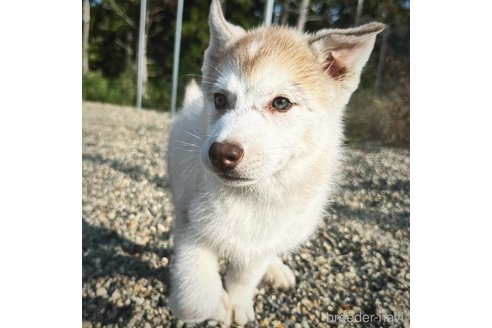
x: 220, y: 101
x: 281, y: 104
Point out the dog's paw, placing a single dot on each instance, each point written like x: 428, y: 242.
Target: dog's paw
x: 279, y: 275
x: 224, y: 310
x: 243, y: 313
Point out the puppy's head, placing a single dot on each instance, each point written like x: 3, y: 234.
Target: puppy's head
x: 274, y: 94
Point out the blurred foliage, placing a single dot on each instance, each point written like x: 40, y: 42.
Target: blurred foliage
x: 120, y: 90
x: 385, y: 118
x: 381, y: 115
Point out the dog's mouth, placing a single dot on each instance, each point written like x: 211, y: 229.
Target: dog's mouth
x: 232, y: 177
x: 234, y: 180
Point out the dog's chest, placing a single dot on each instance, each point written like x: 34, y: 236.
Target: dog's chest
x: 244, y: 227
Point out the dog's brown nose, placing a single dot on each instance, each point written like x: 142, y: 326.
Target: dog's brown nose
x: 225, y: 156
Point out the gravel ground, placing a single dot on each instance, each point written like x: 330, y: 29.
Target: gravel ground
x: 356, y: 265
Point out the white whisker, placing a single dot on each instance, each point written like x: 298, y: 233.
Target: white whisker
x: 187, y: 143
x: 193, y: 135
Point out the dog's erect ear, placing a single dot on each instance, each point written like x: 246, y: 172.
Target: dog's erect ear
x: 221, y: 31
x: 345, y: 51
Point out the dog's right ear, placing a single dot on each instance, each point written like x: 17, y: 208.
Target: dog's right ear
x: 346, y: 51
x: 221, y: 31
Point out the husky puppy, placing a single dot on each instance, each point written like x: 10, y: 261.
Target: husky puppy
x: 253, y: 157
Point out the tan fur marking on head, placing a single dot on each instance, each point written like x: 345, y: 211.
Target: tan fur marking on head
x: 277, y: 46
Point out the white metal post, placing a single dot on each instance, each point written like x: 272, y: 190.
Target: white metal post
x: 268, y: 12
x: 177, y: 44
x: 141, y: 36
x: 360, y: 6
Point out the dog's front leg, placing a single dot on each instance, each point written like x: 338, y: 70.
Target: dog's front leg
x: 196, y: 287
x: 241, y: 281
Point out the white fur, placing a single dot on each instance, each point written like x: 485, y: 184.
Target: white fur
x: 290, y: 161
x: 192, y: 92
x: 253, y: 48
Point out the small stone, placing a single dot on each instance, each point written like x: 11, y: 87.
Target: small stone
x: 350, y: 275
x: 116, y: 295
x: 162, y: 228
x: 101, y: 292
x: 132, y: 225
x: 276, y: 323
x: 305, y: 256
x: 306, y: 302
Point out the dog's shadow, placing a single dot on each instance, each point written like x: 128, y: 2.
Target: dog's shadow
x: 107, y: 254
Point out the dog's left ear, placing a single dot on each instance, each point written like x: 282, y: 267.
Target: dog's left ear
x: 344, y: 52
